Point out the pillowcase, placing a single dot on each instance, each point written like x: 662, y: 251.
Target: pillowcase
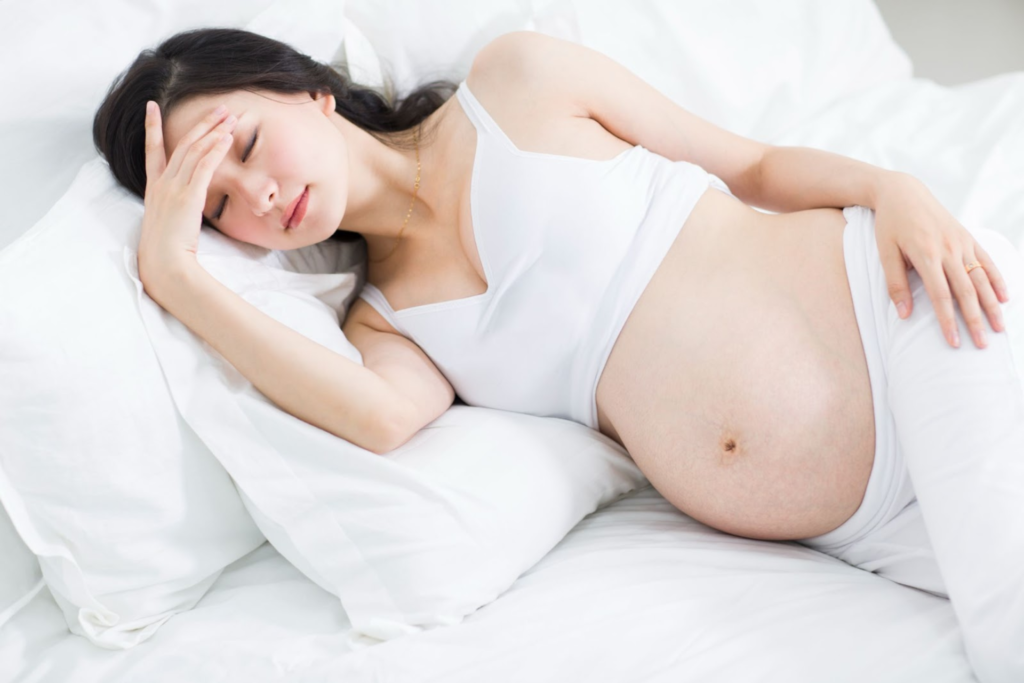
x: 20, y: 575
x: 416, y: 538
x: 130, y: 516
x: 753, y: 67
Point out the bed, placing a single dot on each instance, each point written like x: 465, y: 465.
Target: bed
x: 635, y: 590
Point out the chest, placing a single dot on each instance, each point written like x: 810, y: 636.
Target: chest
x: 447, y: 264
x: 505, y: 320
x: 517, y: 303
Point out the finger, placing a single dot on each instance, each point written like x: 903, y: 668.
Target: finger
x: 967, y: 297
x: 199, y: 149
x: 992, y: 273
x: 156, y: 160
x: 198, y: 132
x: 935, y: 283
x: 989, y: 299
x: 208, y: 164
x: 896, y: 276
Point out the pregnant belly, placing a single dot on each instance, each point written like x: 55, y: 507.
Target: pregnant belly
x: 739, y: 384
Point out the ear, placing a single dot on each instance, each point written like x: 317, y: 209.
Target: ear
x: 326, y: 101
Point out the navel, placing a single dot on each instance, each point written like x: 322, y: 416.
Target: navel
x: 730, y: 448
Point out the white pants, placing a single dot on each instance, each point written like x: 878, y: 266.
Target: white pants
x: 944, y: 506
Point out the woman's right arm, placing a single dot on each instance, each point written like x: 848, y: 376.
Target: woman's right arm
x: 378, y: 405
x: 301, y: 376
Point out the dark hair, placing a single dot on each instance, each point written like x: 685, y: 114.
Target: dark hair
x: 213, y: 61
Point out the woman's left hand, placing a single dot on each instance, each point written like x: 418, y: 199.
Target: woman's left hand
x: 913, y: 230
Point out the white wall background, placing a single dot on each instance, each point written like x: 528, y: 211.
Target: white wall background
x: 956, y: 41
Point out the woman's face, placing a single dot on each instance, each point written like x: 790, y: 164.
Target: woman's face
x: 298, y: 146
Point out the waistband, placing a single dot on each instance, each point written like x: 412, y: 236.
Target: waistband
x: 889, y: 488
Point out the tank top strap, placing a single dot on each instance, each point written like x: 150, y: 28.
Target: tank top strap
x: 479, y: 116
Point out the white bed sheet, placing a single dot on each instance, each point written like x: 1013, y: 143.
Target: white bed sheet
x: 636, y: 592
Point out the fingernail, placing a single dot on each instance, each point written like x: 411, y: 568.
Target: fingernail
x: 901, y: 308
x: 220, y: 110
x: 149, y: 107
x: 956, y: 338
x: 982, y: 341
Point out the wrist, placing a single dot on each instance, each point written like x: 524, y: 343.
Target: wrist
x: 881, y: 180
x: 163, y: 279
x: 887, y: 182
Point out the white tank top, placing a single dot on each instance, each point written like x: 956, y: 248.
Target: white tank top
x: 567, y: 247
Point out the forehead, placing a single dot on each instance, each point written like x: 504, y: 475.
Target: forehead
x: 192, y: 112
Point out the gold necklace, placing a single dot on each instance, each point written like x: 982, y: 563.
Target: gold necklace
x: 415, y: 189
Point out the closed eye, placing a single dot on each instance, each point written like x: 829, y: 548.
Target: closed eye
x: 245, y: 155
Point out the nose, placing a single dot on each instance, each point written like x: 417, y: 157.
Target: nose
x: 258, y: 191
x: 260, y: 194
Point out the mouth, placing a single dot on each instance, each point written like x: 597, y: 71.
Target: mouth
x: 296, y: 210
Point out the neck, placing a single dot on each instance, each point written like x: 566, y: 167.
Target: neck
x: 380, y: 189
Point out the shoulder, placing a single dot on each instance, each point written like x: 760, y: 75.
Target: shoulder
x: 512, y: 50
x: 528, y: 61
x: 528, y: 53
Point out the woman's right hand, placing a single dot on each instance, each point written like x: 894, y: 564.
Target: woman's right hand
x: 176, y: 190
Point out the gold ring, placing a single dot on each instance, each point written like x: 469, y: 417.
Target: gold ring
x: 972, y: 266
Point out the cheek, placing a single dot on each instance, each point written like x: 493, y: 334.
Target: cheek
x: 248, y: 233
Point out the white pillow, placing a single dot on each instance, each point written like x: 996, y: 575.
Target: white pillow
x: 754, y: 67
x: 418, y: 538
x: 130, y: 516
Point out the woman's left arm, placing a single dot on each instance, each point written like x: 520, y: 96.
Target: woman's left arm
x: 912, y: 229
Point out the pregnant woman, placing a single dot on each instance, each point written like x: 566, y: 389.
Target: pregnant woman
x: 558, y: 238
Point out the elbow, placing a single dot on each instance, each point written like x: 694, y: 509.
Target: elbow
x: 385, y: 446
x: 382, y: 441
x: 404, y: 420
x: 391, y: 432
x: 370, y: 431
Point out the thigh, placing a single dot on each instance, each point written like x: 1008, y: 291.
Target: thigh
x: 961, y: 407
x: 959, y: 418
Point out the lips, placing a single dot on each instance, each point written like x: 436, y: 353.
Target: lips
x: 296, y: 210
